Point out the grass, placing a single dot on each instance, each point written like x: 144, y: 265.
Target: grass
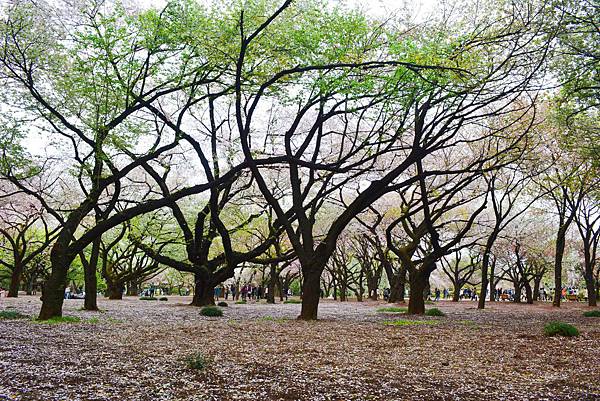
x: 211, y: 311
x: 408, y: 322
x: 197, y: 361
x: 12, y: 314
x: 163, y: 299
x: 592, y: 313
x: 59, y: 320
x: 293, y: 301
x: 434, y: 312
x: 274, y: 319
x: 429, y: 302
x: 240, y: 302
x: 148, y: 299
x: 223, y: 304
x: 560, y: 329
x: 392, y: 309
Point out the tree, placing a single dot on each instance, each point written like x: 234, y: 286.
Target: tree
x: 460, y: 274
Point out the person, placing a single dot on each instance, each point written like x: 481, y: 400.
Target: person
x: 437, y: 294
x: 244, y: 292
x: 68, y: 293
x: 217, y: 292
x: 386, y: 294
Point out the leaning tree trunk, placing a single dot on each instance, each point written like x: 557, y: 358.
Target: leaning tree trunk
x: 311, y: 290
x: 418, y: 284
x: 91, y: 281
x: 204, y: 290
x: 15, y: 280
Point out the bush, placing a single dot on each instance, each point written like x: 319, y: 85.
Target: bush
x: 197, y: 361
x: 560, y: 329
x: 211, y: 311
x: 11, y: 314
x: 434, y: 312
x: 392, y: 309
x: 148, y: 299
x: 163, y: 299
x: 428, y: 302
x: 592, y: 313
x: 240, y: 302
x: 223, y: 304
x: 292, y: 301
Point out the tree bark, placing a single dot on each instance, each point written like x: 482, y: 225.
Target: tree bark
x: 53, y: 294
x: 416, y: 301
x: 91, y: 281
x: 272, y: 282
x: 560, y: 250
x: 456, y: 294
x: 114, y: 290
x: 204, y: 290
x: 15, y: 280
x: 311, y: 292
x: 591, y: 287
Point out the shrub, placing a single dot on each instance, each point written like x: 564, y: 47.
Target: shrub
x: 148, y: 299
x: 211, y: 311
x: 223, y: 304
x: 592, y: 313
x: 434, y: 312
x: 11, y: 314
x: 197, y: 361
x: 560, y: 329
x: 242, y: 302
x: 392, y: 309
x: 163, y: 299
x: 428, y: 302
x: 292, y: 301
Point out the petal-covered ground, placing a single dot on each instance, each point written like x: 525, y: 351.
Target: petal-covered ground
x: 136, y: 350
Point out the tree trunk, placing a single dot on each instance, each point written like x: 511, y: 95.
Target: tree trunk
x: 517, y: 293
x: 418, y: 284
x: 204, y: 290
x: 558, y: 259
x: 528, y: 292
x: 311, y: 291
x: 53, y: 293
x: 91, y: 281
x: 15, y: 280
x: 272, y: 281
x: 456, y: 294
x: 114, y: 290
x: 492, y: 283
x: 536, y: 288
x: 590, y: 284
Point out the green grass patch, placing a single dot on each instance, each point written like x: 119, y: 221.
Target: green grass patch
x: 274, y: 319
x: 148, y: 299
x: 392, y: 309
x: 223, y: 304
x: 59, y: 320
x: 560, y: 329
x: 197, y: 361
x: 211, y: 311
x: 293, y: 301
x: 240, y: 302
x: 408, y: 322
x: 429, y: 303
x: 592, y: 313
x: 434, y: 312
x: 163, y: 299
x: 11, y: 315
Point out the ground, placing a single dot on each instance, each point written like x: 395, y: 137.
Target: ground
x: 136, y: 350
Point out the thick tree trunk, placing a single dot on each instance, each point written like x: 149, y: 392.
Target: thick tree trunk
x: 204, y: 290
x: 114, y: 290
x: 536, y: 288
x: 456, y: 294
x: 15, y: 280
x: 311, y: 291
x: 528, y: 292
x: 53, y: 293
x: 590, y: 284
x: 272, y: 281
x: 517, y: 293
x: 418, y: 284
x: 91, y: 281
